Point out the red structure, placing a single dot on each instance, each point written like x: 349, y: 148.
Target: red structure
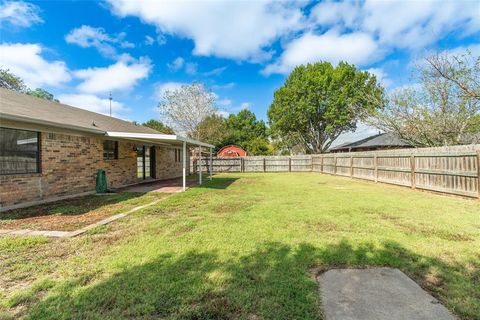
x: 231, y: 151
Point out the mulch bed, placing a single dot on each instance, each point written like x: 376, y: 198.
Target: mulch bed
x: 73, y: 214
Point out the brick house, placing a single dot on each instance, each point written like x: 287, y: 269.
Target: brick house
x: 50, y: 151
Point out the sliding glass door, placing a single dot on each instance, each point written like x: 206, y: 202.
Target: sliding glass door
x: 145, y: 162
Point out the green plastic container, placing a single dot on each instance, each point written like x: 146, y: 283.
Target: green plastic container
x: 101, y: 185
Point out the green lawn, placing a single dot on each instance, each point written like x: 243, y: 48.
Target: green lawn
x: 246, y: 246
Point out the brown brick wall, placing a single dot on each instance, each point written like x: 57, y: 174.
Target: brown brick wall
x: 69, y: 164
x: 166, y: 165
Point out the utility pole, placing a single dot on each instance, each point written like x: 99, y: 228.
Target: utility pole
x: 110, y: 103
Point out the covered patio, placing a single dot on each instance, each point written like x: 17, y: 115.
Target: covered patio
x: 168, y: 140
x: 161, y: 186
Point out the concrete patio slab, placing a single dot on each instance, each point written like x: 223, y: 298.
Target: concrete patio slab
x: 163, y: 186
x: 376, y: 294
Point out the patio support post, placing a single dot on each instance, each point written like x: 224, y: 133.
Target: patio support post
x: 184, y: 166
x: 211, y: 164
x: 200, y: 164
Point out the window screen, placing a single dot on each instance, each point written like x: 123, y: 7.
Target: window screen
x: 19, y: 151
x: 110, y: 150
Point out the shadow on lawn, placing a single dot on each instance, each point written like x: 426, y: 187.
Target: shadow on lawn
x: 217, y: 183
x: 273, y: 282
x: 69, y: 207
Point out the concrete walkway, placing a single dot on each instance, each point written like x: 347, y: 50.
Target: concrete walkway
x: 69, y: 234
x: 376, y: 294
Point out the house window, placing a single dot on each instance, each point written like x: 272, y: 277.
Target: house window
x: 19, y: 151
x: 110, y: 150
x: 178, y: 155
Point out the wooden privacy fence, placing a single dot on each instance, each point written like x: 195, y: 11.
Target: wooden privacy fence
x: 453, y: 170
x: 257, y: 164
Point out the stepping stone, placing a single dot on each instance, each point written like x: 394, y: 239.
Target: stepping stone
x: 376, y: 294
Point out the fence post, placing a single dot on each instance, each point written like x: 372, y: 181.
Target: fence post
x: 375, y: 166
x: 242, y: 164
x: 321, y: 163
x: 289, y: 164
x: 335, y: 165
x: 412, y: 171
x: 351, y: 166
x: 478, y: 173
x: 311, y: 163
x: 264, y: 165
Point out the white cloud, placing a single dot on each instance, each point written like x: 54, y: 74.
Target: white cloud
x: 26, y: 61
x: 406, y: 26
x: 474, y: 50
x: 399, y: 24
x: 363, y: 32
x: 357, y: 48
x: 215, y: 72
x: 229, y: 29
x: 87, y: 36
x: 180, y: 63
x: 225, y: 102
x: 245, y: 105
x: 223, y: 113
x: 123, y: 75
x: 149, y: 40
x: 329, y: 13
x: 161, y: 88
x: 92, y: 103
x: 176, y: 64
x: 226, y: 86
x: 191, y: 68
x: 161, y: 39
x: 19, y: 13
x: 381, y: 75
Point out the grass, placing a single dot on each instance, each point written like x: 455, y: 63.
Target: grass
x: 246, y: 246
x: 72, y: 214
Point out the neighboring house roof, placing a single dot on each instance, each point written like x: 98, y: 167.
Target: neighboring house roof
x: 381, y: 140
x: 232, y: 149
x: 19, y: 106
x: 22, y: 107
x: 230, y: 146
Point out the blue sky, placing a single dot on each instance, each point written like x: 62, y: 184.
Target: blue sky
x: 243, y: 51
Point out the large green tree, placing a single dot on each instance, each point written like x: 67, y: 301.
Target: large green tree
x: 213, y: 130
x: 244, y: 130
x: 318, y: 102
x: 159, y: 126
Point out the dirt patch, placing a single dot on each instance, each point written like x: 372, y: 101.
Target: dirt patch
x: 432, y: 232
x: 421, y: 229
x: 183, y: 230
x: 73, y: 214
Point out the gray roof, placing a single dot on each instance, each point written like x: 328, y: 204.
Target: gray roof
x: 22, y: 107
x: 377, y: 141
